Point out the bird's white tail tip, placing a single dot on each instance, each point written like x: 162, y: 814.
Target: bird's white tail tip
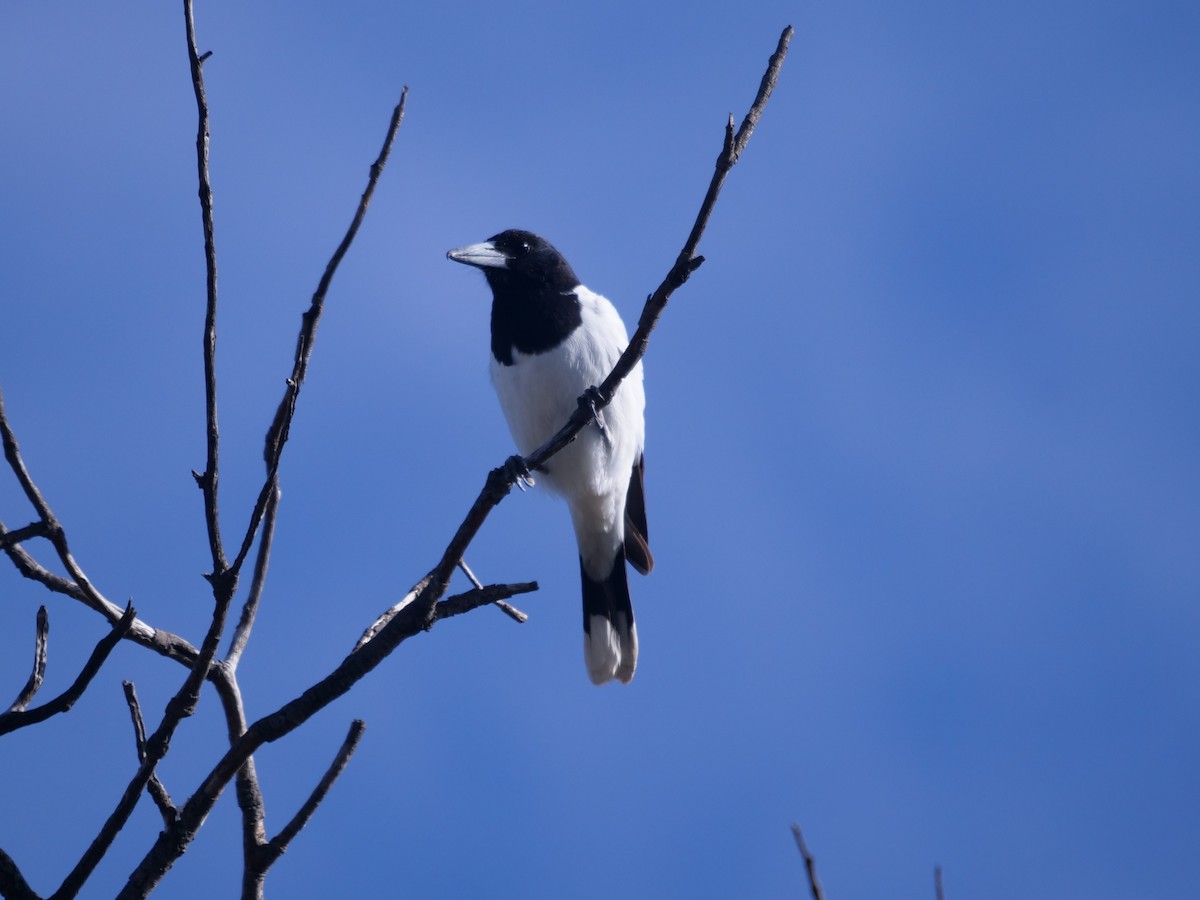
x: 610, y: 650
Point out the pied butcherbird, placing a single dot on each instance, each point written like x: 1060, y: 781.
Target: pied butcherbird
x: 552, y: 341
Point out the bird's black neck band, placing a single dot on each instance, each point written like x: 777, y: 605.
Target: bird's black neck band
x: 530, y: 320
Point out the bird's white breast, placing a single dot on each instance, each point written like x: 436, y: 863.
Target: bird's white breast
x: 539, y: 392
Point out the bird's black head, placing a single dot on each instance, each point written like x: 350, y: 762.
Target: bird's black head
x: 534, y: 306
x: 519, y: 260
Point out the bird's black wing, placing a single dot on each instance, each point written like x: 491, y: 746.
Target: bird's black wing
x: 637, y: 535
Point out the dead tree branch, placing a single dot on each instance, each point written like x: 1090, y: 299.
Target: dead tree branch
x: 180, y: 706
x: 162, y: 642
x: 12, y: 538
x: 507, y: 608
x: 12, y: 883
x: 14, y: 719
x: 249, y: 793
x: 241, y: 632
x: 277, y: 846
x: 480, y: 596
x: 209, y: 478
x: 277, y: 434
x: 34, y: 684
x: 157, y: 792
x: 53, y: 530
x: 810, y: 864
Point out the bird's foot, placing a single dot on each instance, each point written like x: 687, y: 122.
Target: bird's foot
x: 591, y: 401
x: 517, y: 472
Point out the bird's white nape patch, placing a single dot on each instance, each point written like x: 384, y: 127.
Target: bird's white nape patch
x: 610, y: 652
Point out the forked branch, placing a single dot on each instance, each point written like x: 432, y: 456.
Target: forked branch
x: 21, y: 718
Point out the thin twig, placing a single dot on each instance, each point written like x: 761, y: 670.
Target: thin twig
x: 12, y: 538
x: 169, y: 645
x: 241, y: 633
x: 249, y: 793
x: 278, y: 845
x: 157, y: 792
x: 810, y: 864
x: 277, y: 434
x: 480, y: 596
x: 12, y: 883
x: 937, y: 883
x: 507, y: 608
x: 418, y: 611
x: 209, y: 478
x: 171, y: 843
x: 686, y: 263
x: 53, y: 529
x: 451, y: 606
x: 41, y: 635
x: 180, y: 706
x: 11, y: 721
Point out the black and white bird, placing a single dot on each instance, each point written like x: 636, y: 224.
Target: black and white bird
x: 552, y: 339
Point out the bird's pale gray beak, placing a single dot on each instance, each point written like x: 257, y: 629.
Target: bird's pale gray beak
x: 484, y: 256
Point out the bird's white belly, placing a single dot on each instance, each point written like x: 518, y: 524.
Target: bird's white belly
x: 538, y: 395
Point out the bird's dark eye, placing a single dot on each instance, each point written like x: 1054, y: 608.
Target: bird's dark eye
x: 523, y: 248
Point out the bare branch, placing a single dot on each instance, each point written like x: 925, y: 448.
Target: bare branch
x: 507, y: 608
x: 53, y: 528
x: 278, y: 845
x: 12, y: 883
x: 11, y: 721
x: 480, y: 596
x: 12, y: 538
x: 937, y: 883
x: 163, y: 642
x: 223, y: 577
x: 418, y: 611
x: 180, y: 706
x: 810, y: 864
x: 207, y: 480
x: 416, y: 616
x: 157, y: 792
x: 686, y: 263
x: 31, y: 569
x: 39, y: 663
x: 451, y: 606
x: 241, y: 634
x: 277, y: 434
x: 12, y: 453
x: 249, y: 794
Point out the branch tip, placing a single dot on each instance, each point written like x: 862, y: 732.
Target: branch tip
x: 274, y: 848
x: 810, y: 864
x: 38, y: 674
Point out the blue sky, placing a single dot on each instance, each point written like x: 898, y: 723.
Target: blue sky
x: 922, y: 438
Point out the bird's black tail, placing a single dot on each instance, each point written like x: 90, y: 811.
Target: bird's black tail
x: 609, y: 634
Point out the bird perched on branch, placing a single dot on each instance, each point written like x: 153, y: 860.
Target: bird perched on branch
x: 552, y: 341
